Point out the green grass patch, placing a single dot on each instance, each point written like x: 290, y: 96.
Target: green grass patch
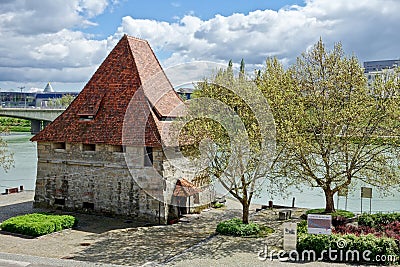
x: 19, y: 129
x: 38, y: 224
x: 235, y: 227
x: 341, y: 213
x: 218, y: 205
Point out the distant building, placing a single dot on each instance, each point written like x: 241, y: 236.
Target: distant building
x: 185, y: 92
x: 378, y: 65
x: 48, y: 88
x: 381, y: 68
x: 31, y: 99
x: 105, y: 153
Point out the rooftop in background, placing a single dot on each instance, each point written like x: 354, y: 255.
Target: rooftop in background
x: 379, y: 65
x: 48, y: 88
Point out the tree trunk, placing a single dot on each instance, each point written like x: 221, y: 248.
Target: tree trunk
x: 329, y: 202
x: 245, y: 217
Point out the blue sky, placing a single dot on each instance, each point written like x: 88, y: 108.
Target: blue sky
x: 65, y: 41
x: 171, y: 11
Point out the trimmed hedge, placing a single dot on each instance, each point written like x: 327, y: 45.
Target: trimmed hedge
x: 377, y: 219
x: 236, y: 227
x: 382, y: 246
x: 37, y: 224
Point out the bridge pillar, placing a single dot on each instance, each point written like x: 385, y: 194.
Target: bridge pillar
x: 35, y: 126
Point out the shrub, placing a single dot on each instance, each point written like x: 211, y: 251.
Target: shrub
x: 37, y: 224
x: 236, y: 227
x: 302, y: 227
x: 378, y: 219
x: 218, y: 205
x: 393, y: 230
x: 376, y: 245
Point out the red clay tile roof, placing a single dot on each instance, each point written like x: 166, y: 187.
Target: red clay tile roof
x: 130, y: 76
x: 184, y: 188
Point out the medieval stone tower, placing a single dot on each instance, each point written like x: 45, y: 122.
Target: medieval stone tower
x: 82, y: 155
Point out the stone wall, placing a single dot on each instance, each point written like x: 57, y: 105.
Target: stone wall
x: 172, y: 173
x: 100, y: 181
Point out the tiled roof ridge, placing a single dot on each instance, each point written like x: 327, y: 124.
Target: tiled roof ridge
x: 135, y: 38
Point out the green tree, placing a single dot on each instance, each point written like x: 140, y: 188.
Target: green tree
x: 228, y: 137
x: 333, y: 131
x: 62, y: 102
x: 6, y: 157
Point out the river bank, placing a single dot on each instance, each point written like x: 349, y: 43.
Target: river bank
x: 15, y: 125
x: 24, y: 173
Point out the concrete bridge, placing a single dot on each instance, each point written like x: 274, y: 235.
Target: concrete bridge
x: 39, y: 118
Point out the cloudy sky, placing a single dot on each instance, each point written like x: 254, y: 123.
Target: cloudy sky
x: 65, y: 41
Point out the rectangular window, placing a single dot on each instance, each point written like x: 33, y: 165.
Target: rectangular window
x: 196, y: 198
x: 148, y: 156
x: 88, y: 147
x: 88, y: 205
x: 59, y: 201
x: 59, y: 145
x: 86, y: 117
x: 117, y: 149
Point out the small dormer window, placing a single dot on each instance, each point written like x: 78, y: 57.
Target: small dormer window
x: 148, y: 156
x: 86, y: 117
x: 59, y: 145
x: 88, y: 147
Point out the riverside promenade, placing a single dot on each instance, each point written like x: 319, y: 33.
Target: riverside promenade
x: 106, y: 241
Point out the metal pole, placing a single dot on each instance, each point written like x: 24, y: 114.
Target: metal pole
x: 361, y: 205
x: 293, y: 200
x: 370, y: 205
x: 345, y: 207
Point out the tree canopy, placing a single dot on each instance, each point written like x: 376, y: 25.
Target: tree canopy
x: 333, y: 130
x: 230, y: 126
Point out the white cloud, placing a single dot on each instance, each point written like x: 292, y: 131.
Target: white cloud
x: 37, y: 43
x: 175, y: 4
x: 47, y: 16
x: 366, y: 27
x: 40, y: 40
x: 93, y: 7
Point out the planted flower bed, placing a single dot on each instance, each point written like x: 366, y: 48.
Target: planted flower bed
x: 38, y: 224
x: 380, y: 225
x: 378, y: 234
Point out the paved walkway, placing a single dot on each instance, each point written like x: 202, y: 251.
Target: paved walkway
x: 15, y: 260
x: 104, y: 240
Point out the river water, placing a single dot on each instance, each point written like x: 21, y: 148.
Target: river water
x: 24, y: 173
